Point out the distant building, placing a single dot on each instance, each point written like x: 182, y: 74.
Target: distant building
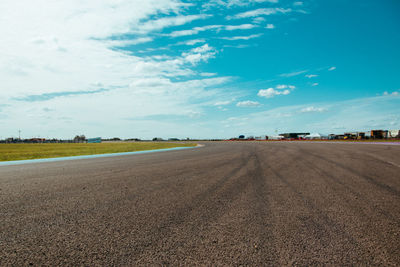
x: 37, y: 140
x: 315, y: 136
x: 275, y: 137
x: 394, y: 133
x: 241, y: 136
x: 379, y: 134
x: 94, y: 140
x: 350, y: 135
x: 293, y: 135
x: 340, y: 136
x: 332, y: 137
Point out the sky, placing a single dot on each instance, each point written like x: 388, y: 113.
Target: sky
x: 198, y: 69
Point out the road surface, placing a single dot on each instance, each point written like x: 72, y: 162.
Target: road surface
x: 231, y: 203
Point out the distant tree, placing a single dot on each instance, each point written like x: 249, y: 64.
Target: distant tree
x: 80, y: 138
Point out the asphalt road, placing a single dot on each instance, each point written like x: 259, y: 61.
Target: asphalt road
x: 232, y: 203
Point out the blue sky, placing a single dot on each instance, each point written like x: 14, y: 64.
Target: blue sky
x: 199, y: 69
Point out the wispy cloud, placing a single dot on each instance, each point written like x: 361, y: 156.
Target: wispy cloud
x: 311, y: 75
x: 248, y: 37
x: 281, y: 89
x: 395, y: 93
x: 235, y: 3
x: 271, y: 92
x: 67, y: 57
x: 260, y: 12
x: 240, y: 27
x: 193, y: 42
x: 194, y: 31
x: 153, y: 25
x: 247, y: 104
x: 312, y: 109
x: 291, y: 74
x: 48, y: 96
x: 239, y: 46
x: 333, y: 117
x: 258, y: 20
x: 198, y: 54
x: 197, y: 30
x: 332, y: 68
x: 270, y: 26
x: 285, y: 86
x: 222, y: 103
x: 207, y: 74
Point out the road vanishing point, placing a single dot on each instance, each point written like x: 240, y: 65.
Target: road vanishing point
x: 227, y: 203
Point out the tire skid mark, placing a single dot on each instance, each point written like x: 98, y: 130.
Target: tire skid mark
x: 356, y: 210
x: 51, y: 196
x: 215, y: 209
x: 322, y: 229
x: 365, y: 177
x: 90, y: 211
x: 263, y: 209
x: 361, y: 248
x: 180, y: 216
x: 385, y: 161
x: 365, y: 199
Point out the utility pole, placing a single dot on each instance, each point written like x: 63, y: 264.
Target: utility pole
x: 19, y: 134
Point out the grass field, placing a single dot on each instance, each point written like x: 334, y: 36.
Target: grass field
x: 38, y: 151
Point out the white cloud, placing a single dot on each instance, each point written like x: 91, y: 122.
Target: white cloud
x: 248, y: 103
x: 299, y: 3
x: 258, y: 20
x: 315, y: 84
x: 260, y: 12
x: 198, y: 54
x: 67, y: 57
x: 367, y: 113
x: 197, y: 30
x: 195, y: 41
x: 270, y: 26
x: 237, y: 46
x: 248, y: 37
x: 284, y: 86
x: 207, y: 74
x: 291, y: 74
x: 71, y: 43
x: 391, y: 94
x: 235, y: 3
x: 311, y: 75
x: 271, y: 92
x: 332, y: 68
x: 312, y: 109
x: 153, y: 25
x: 240, y: 27
x: 222, y: 103
x: 194, y: 31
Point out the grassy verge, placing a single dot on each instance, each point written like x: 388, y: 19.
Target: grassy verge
x: 38, y: 151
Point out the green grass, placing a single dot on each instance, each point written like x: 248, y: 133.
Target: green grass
x: 38, y: 151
